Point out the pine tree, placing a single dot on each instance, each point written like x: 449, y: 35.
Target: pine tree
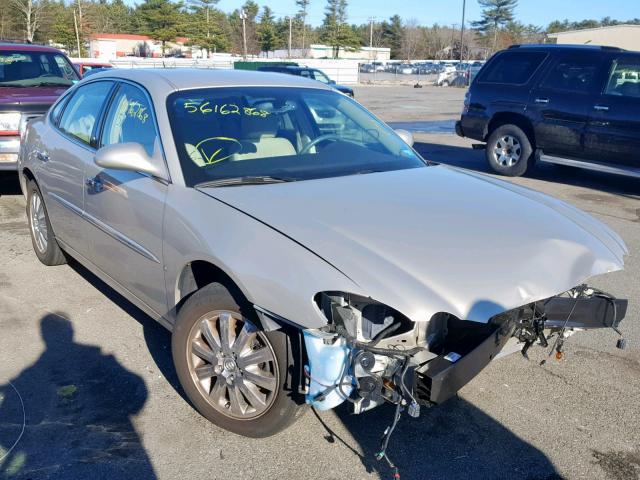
x: 335, y: 30
x: 495, y: 15
x: 303, y: 7
x: 268, y: 36
x: 161, y: 19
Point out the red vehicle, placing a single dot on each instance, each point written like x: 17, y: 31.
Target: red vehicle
x: 87, y: 67
x: 32, y: 77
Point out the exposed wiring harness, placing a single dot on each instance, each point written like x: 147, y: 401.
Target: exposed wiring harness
x: 386, y: 436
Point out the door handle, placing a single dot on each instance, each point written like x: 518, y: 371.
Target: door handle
x: 43, y: 157
x: 95, y: 184
x: 601, y: 108
x: 543, y: 101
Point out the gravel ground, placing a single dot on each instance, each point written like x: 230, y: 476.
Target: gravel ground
x: 102, y: 399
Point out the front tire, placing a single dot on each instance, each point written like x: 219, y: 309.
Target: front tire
x: 235, y: 374
x: 42, y: 238
x: 509, y: 151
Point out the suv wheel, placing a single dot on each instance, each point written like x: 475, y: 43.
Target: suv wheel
x: 44, y: 242
x: 235, y: 375
x: 509, y: 151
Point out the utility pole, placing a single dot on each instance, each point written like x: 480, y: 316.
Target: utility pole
x: 75, y: 26
x: 243, y: 16
x: 464, y: 7
x: 290, y: 34
x: 371, y: 19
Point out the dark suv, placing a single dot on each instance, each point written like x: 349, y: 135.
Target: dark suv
x: 307, y: 72
x: 567, y: 105
x: 32, y: 77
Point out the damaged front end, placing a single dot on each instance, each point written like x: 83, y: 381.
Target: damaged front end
x: 369, y: 353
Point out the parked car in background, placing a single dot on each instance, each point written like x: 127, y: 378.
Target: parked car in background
x: 306, y: 72
x: 567, y: 105
x: 296, y: 259
x: 32, y: 77
x: 452, y: 78
x: 87, y: 67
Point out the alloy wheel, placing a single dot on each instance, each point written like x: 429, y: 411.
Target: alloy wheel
x: 233, y: 365
x: 38, y: 222
x: 507, y: 151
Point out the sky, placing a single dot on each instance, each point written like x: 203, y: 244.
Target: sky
x: 538, y: 12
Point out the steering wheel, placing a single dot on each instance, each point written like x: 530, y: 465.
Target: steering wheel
x: 323, y: 138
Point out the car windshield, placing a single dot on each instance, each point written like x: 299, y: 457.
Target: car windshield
x: 34, y: 69
x: 282, y: 133
x: 320, y: 76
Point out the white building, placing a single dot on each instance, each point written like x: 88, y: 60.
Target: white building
x: 109, y: 46
x: 380, y: 54
x: 622, y: 36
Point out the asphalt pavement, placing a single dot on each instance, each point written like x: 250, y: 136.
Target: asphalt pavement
x: 101, y: 398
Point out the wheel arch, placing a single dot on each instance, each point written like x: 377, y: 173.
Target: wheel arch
x: 199, y: 273
x: 511, y: 118
x: 27, y: 175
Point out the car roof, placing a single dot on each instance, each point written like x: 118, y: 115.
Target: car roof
x: 191, y: 78
x: 546, y: 46
x: 26, y: 47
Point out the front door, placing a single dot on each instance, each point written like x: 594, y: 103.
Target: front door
x: 560, y: 104
x: 125, y: 209
x: 613, y: 133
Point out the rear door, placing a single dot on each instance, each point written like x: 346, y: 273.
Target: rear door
x: 613, y: 133
x: 125, y: 209
x: 560, y: 104
x: 70, y: 144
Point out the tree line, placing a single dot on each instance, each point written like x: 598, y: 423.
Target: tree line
x: 71, y: 23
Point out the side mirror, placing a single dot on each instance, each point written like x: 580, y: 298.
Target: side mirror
x: 406, y: 136
x: 128, y: 156
x: 332, y: 82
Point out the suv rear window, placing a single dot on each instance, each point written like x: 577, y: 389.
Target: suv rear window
x: 574, y: 74
x: 514, y: 68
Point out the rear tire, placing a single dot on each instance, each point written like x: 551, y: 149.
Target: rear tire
x: 509, y: 151
x: 43, y: 240
x: 225, y: 380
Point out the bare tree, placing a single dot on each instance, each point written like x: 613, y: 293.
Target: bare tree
x: 412, y: 37
x: 30, y: 13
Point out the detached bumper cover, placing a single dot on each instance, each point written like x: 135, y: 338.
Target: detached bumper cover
x: 439, y: 379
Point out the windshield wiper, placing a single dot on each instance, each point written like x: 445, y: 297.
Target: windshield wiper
x: 51, y: 84
x: 246, y: 180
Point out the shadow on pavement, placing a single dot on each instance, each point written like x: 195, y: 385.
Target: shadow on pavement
x: 466, y: 157
x: 9, y: 184
x: 78, y: 404
x: 157, y: 338
x: 455, y: 440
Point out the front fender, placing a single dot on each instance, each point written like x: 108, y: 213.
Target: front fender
x: 272, y: 271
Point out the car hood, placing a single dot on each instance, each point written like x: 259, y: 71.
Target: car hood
x: 45, y: 96
x: 437, y: 239
x: 343, y: 89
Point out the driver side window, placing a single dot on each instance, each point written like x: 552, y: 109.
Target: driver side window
x: 130, y: 120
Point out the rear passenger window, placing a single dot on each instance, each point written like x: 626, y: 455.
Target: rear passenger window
x: 624, y: 80
x: 515, y: 68
x: 81, y: 113
x: 574, y: 75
